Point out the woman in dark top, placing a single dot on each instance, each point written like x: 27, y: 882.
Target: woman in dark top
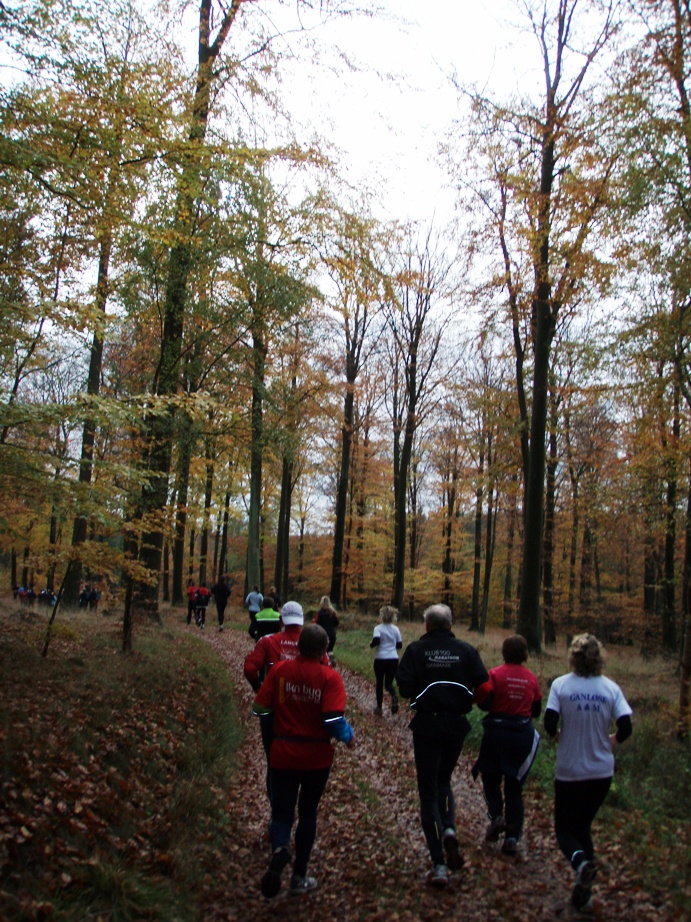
x: 328, y: 619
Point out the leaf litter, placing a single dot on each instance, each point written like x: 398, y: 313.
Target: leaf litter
x: 370, y: 856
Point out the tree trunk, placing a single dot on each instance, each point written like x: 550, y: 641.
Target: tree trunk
x: 93, y: 384
x: 414, y: 541
x: 188, y: 433
x: 477, y: 556
x: 282, y: 567
x: 669, y: 615
x: 191, y: 555
x: 166, y: 572
x: 489, y: 557
x: 337, y: 575
x: 400, y: 496
x: 223, y: 549
x: 254, y: 574
x: 159, y: 428
x: 206, y: 527
x: 450, y: 475
x: 508, y: 579
x: 543, y: 326
x: 548, y: 542
x: 361, y: 503
x: 586, y: 581
x: 529, y: 609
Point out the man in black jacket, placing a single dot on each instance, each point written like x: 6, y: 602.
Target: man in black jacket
x: 439, y: 673
x: 221, y: 593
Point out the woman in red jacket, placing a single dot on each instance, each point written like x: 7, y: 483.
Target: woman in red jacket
x: 513, y: 698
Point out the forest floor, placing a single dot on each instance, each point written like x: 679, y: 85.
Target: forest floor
x: 370, y: 856
x: 127, y: 793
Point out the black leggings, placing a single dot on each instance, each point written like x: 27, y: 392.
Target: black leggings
x: 575, y: 807
x: 509, y: 804
x: 288, y: 789
x: 385, y: 673
x: 435, y: 760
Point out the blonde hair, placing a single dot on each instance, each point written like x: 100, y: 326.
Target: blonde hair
x: 388, y: 614
x: 326, y: 602
x: 586, y: 655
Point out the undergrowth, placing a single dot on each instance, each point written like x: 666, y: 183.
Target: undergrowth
x: 112, y: 771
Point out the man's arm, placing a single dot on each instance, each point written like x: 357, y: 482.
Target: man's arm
x: 406, y: 678
x: 254, y: 663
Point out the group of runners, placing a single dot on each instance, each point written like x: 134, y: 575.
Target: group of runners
x: 301, y: 700
x: 199, y: 597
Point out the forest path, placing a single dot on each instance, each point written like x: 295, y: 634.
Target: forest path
x: 370, y: 856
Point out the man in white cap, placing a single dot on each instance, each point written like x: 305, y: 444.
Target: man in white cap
x: 275, y: 647
x: 269, y: 650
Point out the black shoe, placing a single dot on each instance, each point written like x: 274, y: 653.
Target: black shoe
x: 394, y: 704
x: 271, y: 881
x: 582, y: 892
x: 495, y: 828
x: 454, y: 856
x: 509, y: 846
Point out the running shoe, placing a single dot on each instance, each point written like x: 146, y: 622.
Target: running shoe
x: 271, y: 881
x: 509, y: 846
x: 454, y: 855
x: 495, y: 828
x: 438, y: 877
x: 300, y: 885
x: 582, y: 893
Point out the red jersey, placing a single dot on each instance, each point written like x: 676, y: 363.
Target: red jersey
x: 203, y: 595
x: 272, y: 649
x: 301, y: 692
x: 515, y: 689
x: 191, y: 593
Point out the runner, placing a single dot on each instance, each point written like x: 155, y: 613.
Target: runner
x: 439, y: 673
x: 585, y: 703
x: 509, y: 743
x: 308, y: 702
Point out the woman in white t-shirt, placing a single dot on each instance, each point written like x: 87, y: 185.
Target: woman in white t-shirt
x: 387, y: 641
x: 583, y: 704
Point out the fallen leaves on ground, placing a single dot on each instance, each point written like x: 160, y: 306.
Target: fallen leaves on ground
x: 370, y: 856
x: 72, y: 804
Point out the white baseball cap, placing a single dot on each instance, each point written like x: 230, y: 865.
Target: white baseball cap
x: 292, y: 613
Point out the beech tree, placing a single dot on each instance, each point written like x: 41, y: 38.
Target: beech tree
x: 354, y: 266
x: 657, y: 110
x: 547, y: 174
x: 417, y: 324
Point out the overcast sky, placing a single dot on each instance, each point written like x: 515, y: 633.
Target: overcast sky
x: 389, y: 117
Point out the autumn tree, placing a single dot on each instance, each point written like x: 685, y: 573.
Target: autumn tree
x: 353, y: 261
x: 417, y: 323
x: 545, y: 181
x: 657, y: 114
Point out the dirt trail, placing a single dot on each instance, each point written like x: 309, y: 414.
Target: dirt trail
x: 370, y: 856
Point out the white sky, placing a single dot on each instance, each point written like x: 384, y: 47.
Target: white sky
x: 389, y: 128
